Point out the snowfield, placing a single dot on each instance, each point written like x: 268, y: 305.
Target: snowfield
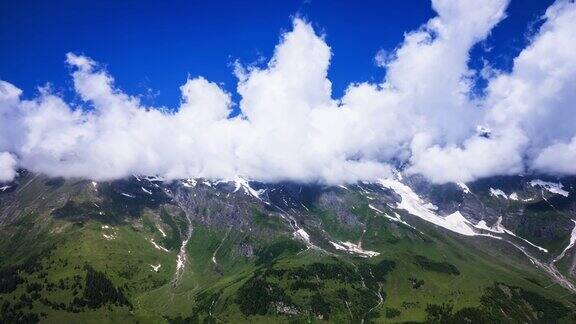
x: 413, y: 204
x: 354, y: 249
x: 552, y: 187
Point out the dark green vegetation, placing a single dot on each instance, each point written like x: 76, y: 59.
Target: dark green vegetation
x: 73, y: 251
x: 100, y: 291
x: 89, y: 289
x: 314, y: 284
x: 440, y: 267
x: 500, y: 303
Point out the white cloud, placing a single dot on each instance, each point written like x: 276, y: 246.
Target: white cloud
x: 291, y: 128
x: 559, y: 158
x: 7, y: 166
x: 528, y: 110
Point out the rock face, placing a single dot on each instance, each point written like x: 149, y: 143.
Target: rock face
x: 207, y: 207
x: 337, y: 204
x: 531, y: 210
x: 286, y: 250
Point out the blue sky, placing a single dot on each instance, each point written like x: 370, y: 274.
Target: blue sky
x: 155, y: 45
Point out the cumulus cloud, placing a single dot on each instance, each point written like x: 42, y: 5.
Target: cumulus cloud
x: 557, y: 158
x: 420, y: 117
x: 531, y: 112
x: 7, y: 166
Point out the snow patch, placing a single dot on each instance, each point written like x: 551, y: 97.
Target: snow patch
x: 397, y: 219
x: 570, y: 244
x: 161, y: 232
x: 459, y: 223
x: 525, y: 240
x: 500, y: 229
x: 244, y: 184
x: 146, y: 191
x: 127, y: 195
x: 498, y: 193
x: 154, y: 178
x: 375, y: 209
x: 464, y: 187
x: 189, y: 183
x: 109, y: 237
x: 302, y: 235
x: 299, y: 233
x: 413, y: 204
x: 354, y: 249
x: 155, y: 268
x: 400, y: 220
x: 158, y: 246
x: 550, y: 186
x: 494, y: 229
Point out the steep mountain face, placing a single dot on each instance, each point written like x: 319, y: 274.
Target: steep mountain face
x: 397, y: 250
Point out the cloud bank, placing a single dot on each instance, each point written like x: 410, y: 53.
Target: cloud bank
x: 421, y: 117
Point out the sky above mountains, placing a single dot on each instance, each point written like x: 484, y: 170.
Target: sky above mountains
x: 449, y: 89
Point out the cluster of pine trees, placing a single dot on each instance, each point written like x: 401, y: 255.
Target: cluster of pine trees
x: 98, y: 291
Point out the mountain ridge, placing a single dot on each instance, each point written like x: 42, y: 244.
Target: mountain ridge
x: 214, y: 241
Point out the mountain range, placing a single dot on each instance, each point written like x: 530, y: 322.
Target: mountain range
x: 147, y: 250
